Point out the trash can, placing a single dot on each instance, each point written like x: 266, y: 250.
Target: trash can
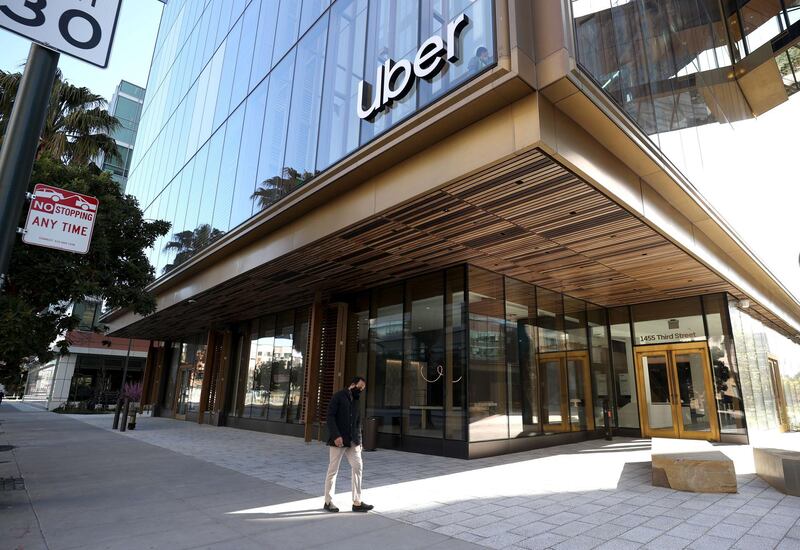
x: 371, y: 433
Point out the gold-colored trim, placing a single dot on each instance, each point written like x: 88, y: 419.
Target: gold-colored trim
x: 565, y: 425
x: 668, y: 352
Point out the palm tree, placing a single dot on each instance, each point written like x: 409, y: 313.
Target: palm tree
x: 190, y: 242
x: 77, y: 126
x: 275, y: 188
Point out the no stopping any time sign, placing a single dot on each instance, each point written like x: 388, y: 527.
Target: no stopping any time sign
x: 80, y: 28
x: 60, y: 219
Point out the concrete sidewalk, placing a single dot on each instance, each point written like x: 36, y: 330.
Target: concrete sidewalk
x: 88, y: 488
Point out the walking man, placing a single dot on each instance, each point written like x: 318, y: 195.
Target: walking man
x: 344, y: 429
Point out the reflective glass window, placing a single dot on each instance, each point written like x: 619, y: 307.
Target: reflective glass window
x: 281, y: 366
x: 392, y: 32
x: 288, y: 24
x: 624, y: 379
x: 550, y: 320
x: 344, y: 67
x: 231, y: 49
x: 311, y: 11
x: 456, y: 350
x: 271, y: 183
x: 424, y: 362
x: 575, y: 323
x: 263, y: 367
x: 600, y: 360
x: 488, y: 411
x: 265, y: 38
x: 205, y: 233
x: 244, y: 59
x: 386, y: 358
x: 727, y: 386
x: 242, y: 200
x: 521, y: 356
x: 301, y: 141
x: 227, y: 171
x: 474, y: 45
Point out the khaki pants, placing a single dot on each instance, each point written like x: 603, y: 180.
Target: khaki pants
x: 353, y: 454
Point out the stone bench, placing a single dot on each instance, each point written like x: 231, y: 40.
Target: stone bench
x: 692, y: 466
x: 779, y: 468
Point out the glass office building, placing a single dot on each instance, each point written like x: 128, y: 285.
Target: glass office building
x: 126, y: 105
x: 485, y: 207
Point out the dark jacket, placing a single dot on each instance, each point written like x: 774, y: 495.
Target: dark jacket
x: 344, y: 419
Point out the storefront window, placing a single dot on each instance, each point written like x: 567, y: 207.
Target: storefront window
x: 521, y: 355
x: 281, y: 366
x: 193, y: 360
x: 624, y: 377
x: 386, y: 358
x: 600, y: 361
x: 550, y: 320
x: 263, y: 369
x: 424, y: 365
x: 456, y: 351
x: 730, y: 405
x: 488, y: 411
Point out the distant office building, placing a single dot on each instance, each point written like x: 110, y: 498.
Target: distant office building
x: 126, y: 105
x: 483, y: 206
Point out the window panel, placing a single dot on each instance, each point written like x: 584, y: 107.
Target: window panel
x: 227, y: 171
x: 286, y: 32
x: 245, y: 55
x: 281, y: 366
x: 271, y: 183
x: 392, y: 33
x: 424, y: 360
x: 231, y: 48
x: 265, y: 39
x: 311, y: 11
x: 488, y: 411
x: 242, y: 200
x: 301, y: 141
x: 297, y: 376
x: 344, y: 68
x: 456, y: 349
x: 521, y: 355
x: 386, y: 358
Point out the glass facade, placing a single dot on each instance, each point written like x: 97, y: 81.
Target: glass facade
x: 248, y: 100
x: 270, y: 382
x: 126, y: 105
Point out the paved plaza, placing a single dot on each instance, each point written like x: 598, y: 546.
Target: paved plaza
x: 264, y: 489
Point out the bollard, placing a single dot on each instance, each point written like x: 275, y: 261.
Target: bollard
x: 117, y: 412
x: 124, y: 424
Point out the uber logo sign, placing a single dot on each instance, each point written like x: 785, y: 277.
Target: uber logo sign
x: 394, y: 79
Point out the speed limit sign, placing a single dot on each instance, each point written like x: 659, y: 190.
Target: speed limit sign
x: 80, y: 28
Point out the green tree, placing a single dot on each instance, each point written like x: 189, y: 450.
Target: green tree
x: 188, y: 243
x: 77, y: 126
x: 275, y: 188
x: 42, y: 282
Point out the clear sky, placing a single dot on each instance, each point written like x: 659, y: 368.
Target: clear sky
x: 130, y: 55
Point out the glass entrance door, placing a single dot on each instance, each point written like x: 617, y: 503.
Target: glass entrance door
x: 566, y: 392
x: 676, y: 397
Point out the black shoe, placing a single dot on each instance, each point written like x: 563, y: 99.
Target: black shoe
x: 330, y: 507
x: 362, y: 507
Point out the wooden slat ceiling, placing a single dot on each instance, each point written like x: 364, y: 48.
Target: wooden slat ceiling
x: 529, y: 218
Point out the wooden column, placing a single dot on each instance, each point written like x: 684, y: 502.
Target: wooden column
x: 150, y: 367
x: 207, y: 372
x: 310, y: 397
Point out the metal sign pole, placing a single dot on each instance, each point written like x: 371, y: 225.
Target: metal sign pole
x: 21, y: 142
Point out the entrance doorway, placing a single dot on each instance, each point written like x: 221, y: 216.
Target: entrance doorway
x: 566, y: 391
x: 676, y: 394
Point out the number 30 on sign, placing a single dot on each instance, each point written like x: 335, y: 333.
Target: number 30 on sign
x: 80, y: 28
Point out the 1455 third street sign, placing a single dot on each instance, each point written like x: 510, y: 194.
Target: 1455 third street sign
x: 80, y: 28
x: 60, y: 219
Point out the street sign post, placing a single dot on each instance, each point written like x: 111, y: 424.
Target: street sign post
x: 80, y: 28
x: 60, y: 219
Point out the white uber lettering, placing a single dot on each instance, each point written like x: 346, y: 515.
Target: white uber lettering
x: 395, y: 79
